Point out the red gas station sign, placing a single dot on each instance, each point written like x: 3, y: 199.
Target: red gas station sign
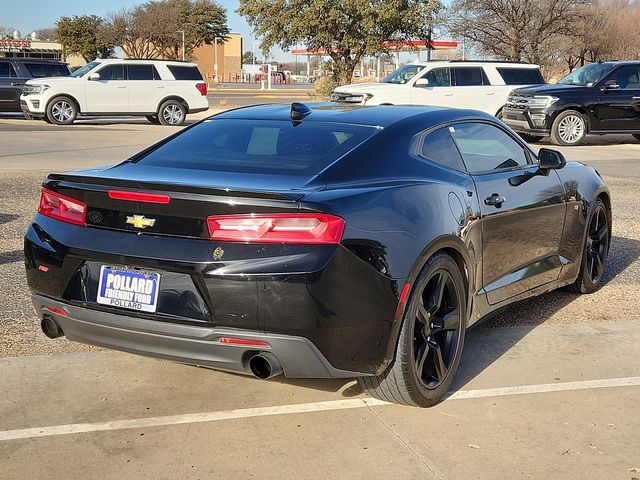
x: 13, y: 43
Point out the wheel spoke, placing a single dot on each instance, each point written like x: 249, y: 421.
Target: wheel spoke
x: 449, y: 321
x: 421, y: 357
x: 437, y: 294
x: 601, y: 234
x: 598, y: 266
x: 422, y: 314
x: 438, y: 361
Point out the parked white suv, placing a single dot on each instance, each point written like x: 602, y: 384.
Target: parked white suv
x: 481, y: 86
x: 163, y: 91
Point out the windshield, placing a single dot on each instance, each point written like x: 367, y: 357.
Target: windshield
x: 87, y: 68
x: 588, y: 75
x: 403, y: 74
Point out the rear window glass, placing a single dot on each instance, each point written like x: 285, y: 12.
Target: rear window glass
x: 521, y: 76
x: 250, y: 146
x: 438, y: 147
x: 40, y: 70
x: 6, y: 70
x: 142, y: 72
x: 180, y: 72
x: 470, y: 76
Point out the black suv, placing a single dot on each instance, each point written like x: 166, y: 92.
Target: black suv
x: 598, y: 98
x: 14, y: 72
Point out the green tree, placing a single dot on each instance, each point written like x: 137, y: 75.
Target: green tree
x: 81, y: 35
x: 346, y: 30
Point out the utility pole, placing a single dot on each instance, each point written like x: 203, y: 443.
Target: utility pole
x: 215, y: 59
x: 429, y: 42
x: 182, y: 32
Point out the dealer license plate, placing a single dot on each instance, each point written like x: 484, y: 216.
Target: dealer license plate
x: 128, y: 288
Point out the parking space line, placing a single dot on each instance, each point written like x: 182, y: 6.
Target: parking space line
x: 360, y: 402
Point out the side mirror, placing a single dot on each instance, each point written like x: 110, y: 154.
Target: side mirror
x: 611, y: 85
x: 550, y: 159
x: 94, y: 76
x: 421, y: 82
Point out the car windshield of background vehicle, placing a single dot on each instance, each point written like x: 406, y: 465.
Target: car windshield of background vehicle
x: 403, y: 74
x: 587, y: 76
x: 6, y: 70
x: 41, y: 70
x: 87, y: 68
x: 253, y: 146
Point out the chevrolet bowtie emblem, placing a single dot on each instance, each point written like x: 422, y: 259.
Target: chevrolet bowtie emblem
x: 140, y: 221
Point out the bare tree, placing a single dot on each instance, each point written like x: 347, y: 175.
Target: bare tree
x: 514, y: 29
x: 46, y: 34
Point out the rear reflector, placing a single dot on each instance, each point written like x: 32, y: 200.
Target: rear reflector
x: 60, y: 207
x: 244, y: 342
x: 139, y: 197
x: 307, y: 228
x: 57, y: 311
x: 202, y: 87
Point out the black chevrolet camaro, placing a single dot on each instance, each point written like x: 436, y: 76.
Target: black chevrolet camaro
x: 321, y: 241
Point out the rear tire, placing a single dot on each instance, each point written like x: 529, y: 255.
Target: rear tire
x: 431, y: 339
x: 62, y: 111
x: 595, y: 251
x: 172, y: 113
x: 569, y: 128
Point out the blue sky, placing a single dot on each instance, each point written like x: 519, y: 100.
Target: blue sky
x: 31, y: 15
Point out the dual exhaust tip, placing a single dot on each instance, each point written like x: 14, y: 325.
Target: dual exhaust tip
x: 265, y: 365
x: 50, y: 327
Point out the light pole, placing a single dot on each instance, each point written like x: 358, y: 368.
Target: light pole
x: 253, y: 62
x: 215, y: 59
x: 182, y: 32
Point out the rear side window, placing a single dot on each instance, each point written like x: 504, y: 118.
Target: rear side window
x: 521, y: 76
x: 6, y: 70
x: 470, y: 76
x: 439, y: 148
x: 253, y: 146
x: 142, y: 72
x: 485, y: 147
x: 40, y: 70
x: 181, y: 72
x: 112, y: 72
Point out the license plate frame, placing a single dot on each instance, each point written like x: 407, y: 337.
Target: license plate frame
x: 128, y: 288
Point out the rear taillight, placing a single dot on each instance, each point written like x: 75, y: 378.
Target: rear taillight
x: 65, y: 209
x: 307, y: 228
x: 202, y: 87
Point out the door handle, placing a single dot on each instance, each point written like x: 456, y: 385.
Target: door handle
x: 121, y: 86
x: 159, y: 86
x: 14, y: 84
x: 635, y: 98
x: 490, y: 93
x: 495, y: 200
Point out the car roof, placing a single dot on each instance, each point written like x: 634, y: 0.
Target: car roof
x: 380, y: 116
x: 145, y: 60
x: 621, y: 62
x: 476, y: 63
x: 33, y: 60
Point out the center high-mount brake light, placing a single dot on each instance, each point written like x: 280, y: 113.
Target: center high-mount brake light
x: 139, y: 196
x: 306, y: 228
x: 60, y: 207
x: 202, y: 88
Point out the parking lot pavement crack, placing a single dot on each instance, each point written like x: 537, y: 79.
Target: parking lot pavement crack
x: 407, y: 445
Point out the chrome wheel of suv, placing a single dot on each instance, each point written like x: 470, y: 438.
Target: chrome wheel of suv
x: 62, y: 111
x: 172, y: 112
x: 569, y: 128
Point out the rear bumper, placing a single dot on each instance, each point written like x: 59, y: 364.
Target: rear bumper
x: 342, y: 307
x: 185, y: 343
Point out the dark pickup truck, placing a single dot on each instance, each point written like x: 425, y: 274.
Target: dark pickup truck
x: 14, y: 72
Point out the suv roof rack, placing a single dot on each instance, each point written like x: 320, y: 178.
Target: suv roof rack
x: 490, y: 61
x: 151, y: 60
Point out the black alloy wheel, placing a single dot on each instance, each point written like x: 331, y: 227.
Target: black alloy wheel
x: 596, y: 250
x: 431, y: 338
x: 436, y: 329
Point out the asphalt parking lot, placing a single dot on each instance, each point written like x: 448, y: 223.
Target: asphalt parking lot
x: 549, y: 388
